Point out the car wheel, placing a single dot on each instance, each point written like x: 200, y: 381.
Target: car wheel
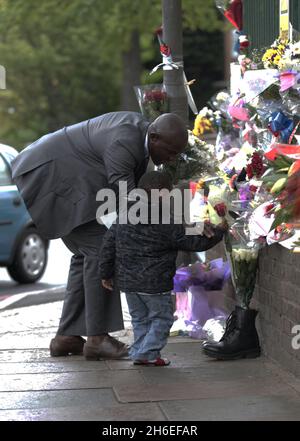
x: 30, y: 259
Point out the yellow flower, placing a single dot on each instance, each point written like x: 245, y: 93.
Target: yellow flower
x: 200, y: 184
x: 202, y: 125
x: 277, y: 59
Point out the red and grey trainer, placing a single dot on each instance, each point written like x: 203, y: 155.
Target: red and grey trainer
x: 157, y: 362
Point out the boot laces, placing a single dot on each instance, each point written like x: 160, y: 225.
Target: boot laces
x: 230, y: 325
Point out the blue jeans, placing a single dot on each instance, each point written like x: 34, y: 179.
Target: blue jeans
x: 152, y: 319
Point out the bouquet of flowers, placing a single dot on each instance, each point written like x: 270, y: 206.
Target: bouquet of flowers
x: 204, y: 122
x: 197, y: 160
x: 197, y: 289
x: 273, y: 56
x: 243, y: 258
x: 153, y: 100
x: 242, y: 252
x: 282, y: 180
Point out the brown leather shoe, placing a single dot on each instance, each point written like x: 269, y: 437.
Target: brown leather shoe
x: 107, y: 347
x: 63, y: 345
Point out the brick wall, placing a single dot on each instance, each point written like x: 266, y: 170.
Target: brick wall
x: 277, y: 298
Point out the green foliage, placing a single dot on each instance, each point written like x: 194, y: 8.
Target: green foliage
x: 201, y: 14
x: 57, y: 70
x: 63, y: 58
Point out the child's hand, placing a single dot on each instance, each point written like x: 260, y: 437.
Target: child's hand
x: 208, y: 229
x: 108, y: 284
x: 223, y: 225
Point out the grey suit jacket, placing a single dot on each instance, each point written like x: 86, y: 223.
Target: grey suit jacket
x: 60, y: 174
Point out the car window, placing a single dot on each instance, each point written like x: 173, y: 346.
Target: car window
x: 5, y: 176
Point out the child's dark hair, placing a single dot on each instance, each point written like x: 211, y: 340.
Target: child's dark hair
x: 155, y: 180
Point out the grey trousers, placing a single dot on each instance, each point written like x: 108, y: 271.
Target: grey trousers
x: 88, y: 308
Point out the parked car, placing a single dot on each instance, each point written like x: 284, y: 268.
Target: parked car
x: 22, y: 250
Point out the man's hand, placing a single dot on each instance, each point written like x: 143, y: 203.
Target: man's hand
x: 108, y: 284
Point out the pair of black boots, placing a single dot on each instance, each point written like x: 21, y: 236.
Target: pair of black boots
x: 240, y: 339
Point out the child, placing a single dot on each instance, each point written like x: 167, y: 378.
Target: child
x: 142, y: 259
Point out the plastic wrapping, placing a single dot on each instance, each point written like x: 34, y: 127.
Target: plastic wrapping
x: 214, y: 328
x: 198, y: 296
x: 277, y: 149
x: 255, y: 82
x: 242, y: 253
x: 152, y: 99
x: 220, y: 101
x: 291, y: 101
x: 233, y: 11
x: 227, y: 143
x: 197, y: 160
x: 210, y: 276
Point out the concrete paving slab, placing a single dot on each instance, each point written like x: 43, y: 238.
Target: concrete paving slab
x: 249, y: 408
x: 44, y: 368
x: 27, y: 339
x: 183, y: 339
x: 31, y: 317
x: 40, y: 338
x: 193, y: 390
x: 184, y: 354
x: 57, y: 399
x: 117, y: 365
x: 33, y: 355
x: 210, y: 371
x: 70, y: 380
x: 130, y: 412
x: 285, y: 376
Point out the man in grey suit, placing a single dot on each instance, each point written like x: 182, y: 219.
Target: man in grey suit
x: 59, y: 176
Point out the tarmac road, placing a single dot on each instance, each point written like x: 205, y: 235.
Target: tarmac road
x: 50, y: 288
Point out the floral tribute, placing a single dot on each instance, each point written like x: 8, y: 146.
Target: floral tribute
x: 197, y: 160
x: 153, y: 100
x: 255, y: 187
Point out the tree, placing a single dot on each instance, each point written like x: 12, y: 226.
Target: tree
x: 58, y: 71
x: 67, y: 61
x: 131, y: 19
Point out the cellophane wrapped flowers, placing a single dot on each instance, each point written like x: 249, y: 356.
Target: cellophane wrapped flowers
x: 243, y: 258
x: 153, y: 100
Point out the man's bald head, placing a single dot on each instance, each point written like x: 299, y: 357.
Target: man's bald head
x: 167, y: 137
x: 169, y: 123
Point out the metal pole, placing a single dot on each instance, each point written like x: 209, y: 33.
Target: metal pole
x: 172, y: 35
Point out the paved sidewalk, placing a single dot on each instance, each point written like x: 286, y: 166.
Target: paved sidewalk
x: 34, y: 386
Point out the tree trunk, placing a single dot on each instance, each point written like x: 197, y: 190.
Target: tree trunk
x: 132, y: 68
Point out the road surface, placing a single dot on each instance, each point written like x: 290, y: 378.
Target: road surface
x: 55, y: 276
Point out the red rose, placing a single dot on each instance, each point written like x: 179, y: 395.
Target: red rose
x: 165, y: 50
x: 249, y: 171
x: 157, y: 95
x: 244, y: 44
x: 220, y: 209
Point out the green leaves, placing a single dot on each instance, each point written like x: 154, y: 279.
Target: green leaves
x: 64, y: 58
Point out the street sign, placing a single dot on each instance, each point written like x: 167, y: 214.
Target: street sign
x: 284, y: 19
